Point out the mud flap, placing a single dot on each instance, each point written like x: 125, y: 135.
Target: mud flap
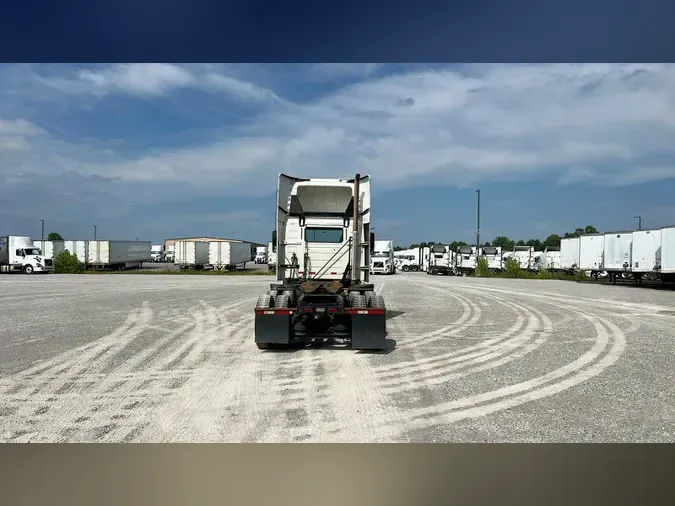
x: 369, y: 329
x: 273, y: 326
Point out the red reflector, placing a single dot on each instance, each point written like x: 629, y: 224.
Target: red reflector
x: 301, y: 272
x: 312, y: 273
x: 333, y: 273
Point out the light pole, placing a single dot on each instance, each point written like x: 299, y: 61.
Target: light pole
x: 95, y: 227
x: 478, y: 226
x: 639, y: 218
x: 43, y: 230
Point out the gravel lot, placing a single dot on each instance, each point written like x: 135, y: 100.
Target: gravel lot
x: 172, y: 358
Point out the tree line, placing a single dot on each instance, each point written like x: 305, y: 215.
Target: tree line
x: 508, y: 244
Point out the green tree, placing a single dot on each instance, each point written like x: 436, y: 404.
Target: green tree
x: 65, y: 263
x: 590, y: 229
x: 521, y: 243
x: 536, y: 243
x: 552, y: 240
x: 504, y: 243
x: 54, y: 236
x: 482, y: 269
x: 513, y: 269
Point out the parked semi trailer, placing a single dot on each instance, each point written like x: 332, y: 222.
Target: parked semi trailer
x: 118, y: 255
x: 617, y: 254
x: 225, y: 255
x: 195, y: 254
x: 667, y: 271
x: 646, y: 257
x: 323, y: 244
x: 569, y: 254
x: 382, y: 260
x: 19, y: 254
x: 440, y: 260
x: 549, y: 259
x: 591, y: 253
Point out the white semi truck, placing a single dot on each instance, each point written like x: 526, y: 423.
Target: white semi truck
x: 382, y: 260
x: 157, y: 252
x: 440, y: 260
x: 19, y: 254
x: 271, y: 258
x: 323, y: 244
x: 260, y: 255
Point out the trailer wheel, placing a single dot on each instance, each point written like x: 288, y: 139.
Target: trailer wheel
x: 263, y: 346
x: 369, y: 296
x: 265, y: 301
x: 405, y: 268
x: 290, y: 295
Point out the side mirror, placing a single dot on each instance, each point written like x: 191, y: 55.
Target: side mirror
x: 274, y: 241
x: 372, y: 242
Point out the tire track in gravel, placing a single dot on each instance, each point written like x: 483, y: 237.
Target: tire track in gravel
x: 58, y: 374
x: 609, y: 346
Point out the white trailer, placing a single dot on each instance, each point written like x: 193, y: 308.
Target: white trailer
x: 323, y: 243
x: 493, y: 255
x: 617, y: 254
x: 49, y: 249
x: 19, y: 254
x: 225, y: 255
x: 440, y: 260
x: 118, y: 255
x: 78, y: 248
x: 646, y: 257
x: 382, y: 259
x: 591, y: 253
x: 465, y: 260
x: 569, y: 253
x: 668, y: 254
x: 195, y: 254
x: 408, y: 260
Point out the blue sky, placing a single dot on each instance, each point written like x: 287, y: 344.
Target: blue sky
x: 163, y: 150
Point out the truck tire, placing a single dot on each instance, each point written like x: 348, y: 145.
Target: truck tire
x: 28, y: 269
x: 369, y: 295
x: 265, y: 301
x: 291, y: 297
x: 359, y: 300
x: 281, y: 301
x: 377, y: 302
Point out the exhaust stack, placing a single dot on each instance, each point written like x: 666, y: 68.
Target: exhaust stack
x: 356, y: 244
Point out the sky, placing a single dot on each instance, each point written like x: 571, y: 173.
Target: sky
x: 154, y: 151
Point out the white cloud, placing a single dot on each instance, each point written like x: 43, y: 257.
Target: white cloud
x: 138, y: 78
x: 599, y: 124
x: 331, y: 71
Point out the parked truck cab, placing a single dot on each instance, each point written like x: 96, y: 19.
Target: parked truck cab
x: 382, y: 260
x: 19, y: 254
x: 323, y: 245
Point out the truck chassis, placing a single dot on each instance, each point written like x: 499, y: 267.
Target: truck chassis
x: 320, y: 310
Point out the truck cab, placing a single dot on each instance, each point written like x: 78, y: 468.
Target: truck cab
x: 382, y: 260
x: 323, y: 244
x: 440, y: 260
x: 157, y: 253
x: 19, y: 254
x: 260, y: 255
